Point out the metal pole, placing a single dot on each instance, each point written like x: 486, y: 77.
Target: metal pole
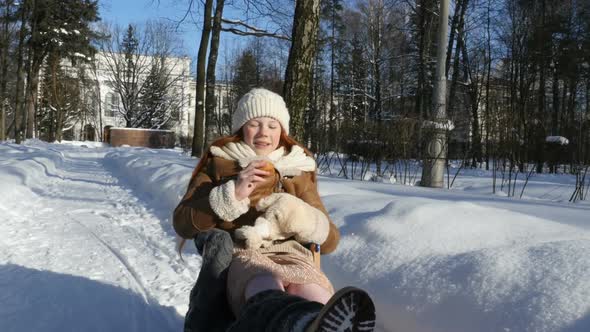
x: 436, y: 150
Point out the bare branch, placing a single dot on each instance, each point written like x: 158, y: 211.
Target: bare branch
x: 257, y: 32
x: 186, y: 14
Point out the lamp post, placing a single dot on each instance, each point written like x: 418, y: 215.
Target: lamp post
x: 436, y: 149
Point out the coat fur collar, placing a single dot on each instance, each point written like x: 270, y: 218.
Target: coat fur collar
x: 287, y: 164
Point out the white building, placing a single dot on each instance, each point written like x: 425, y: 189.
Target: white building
x: 107, y: 105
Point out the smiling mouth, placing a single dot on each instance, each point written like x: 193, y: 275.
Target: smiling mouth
x: 261, y: 144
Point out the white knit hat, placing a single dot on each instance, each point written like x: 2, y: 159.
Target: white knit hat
x: 257, y: 103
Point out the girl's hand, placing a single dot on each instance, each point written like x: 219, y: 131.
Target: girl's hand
x: 249, y: 178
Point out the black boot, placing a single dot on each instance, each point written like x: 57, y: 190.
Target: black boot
x: 350, y: 309
x: 208, y: 306
x: 273, y: 310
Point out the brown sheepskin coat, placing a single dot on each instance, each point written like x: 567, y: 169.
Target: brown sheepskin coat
x: 194, y: 214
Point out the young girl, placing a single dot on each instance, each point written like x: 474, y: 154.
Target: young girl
x: 282, y: 281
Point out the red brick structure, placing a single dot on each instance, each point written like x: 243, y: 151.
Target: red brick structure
x: 150, y: 138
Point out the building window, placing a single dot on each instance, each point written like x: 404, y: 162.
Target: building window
x: 111, y: 104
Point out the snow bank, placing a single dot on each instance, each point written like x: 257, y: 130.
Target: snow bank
x: 159, y: 176
x: 453, y: 266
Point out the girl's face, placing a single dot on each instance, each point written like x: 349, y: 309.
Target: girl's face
x: 262, y: 135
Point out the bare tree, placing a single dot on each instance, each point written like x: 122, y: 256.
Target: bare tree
x: 125, y: 56
x: 299, y: 66
x: 199, y: 127
x: 95, y: 98
x: 20, y: 82
x: 5, y: 38
x: 210, y: 99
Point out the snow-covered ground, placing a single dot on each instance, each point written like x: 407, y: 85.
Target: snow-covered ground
x: 86, y: 245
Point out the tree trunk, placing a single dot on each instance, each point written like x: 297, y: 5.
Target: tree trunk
x: 423, y: 93
x: 31, y: 98
x: 299, y: 65
x: 563, y: 113
x: 210, y: 100
x: 376, y: 40
x: 332, y: 123
x: 199, y: 134
x: 32, y: 68
x: 571, y: 104
x: 541, y: 65
x: 474, y: 99
x: 555, y: 113
x: 59, y: 116
x: 20, y: 80
x: 454, y: 23
x: 473, y: 90
x: 587, y: 131
x: 419, y: 104
x: 98, y: 98
x: 488, y: 126
x: 460, y: 45
x: 454, y: 79
x: 4, y: 71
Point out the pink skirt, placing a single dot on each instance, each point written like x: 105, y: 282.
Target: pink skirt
x: 289, y: 261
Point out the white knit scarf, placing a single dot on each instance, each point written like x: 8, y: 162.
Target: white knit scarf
x: 291, y: 164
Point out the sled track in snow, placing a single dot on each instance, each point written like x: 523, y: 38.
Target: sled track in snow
x: 129, y: 270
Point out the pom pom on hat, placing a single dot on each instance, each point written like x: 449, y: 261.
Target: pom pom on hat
x: 258, y: 103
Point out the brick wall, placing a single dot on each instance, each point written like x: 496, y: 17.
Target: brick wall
x: 140, y: 137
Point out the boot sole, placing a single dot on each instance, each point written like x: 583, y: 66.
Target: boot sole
x: 349, y: 310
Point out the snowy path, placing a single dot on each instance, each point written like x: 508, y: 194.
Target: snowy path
x: 82, y: 222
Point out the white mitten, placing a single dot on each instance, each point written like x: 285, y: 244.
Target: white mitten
x: 262, y: 234
x: 252, y: 239
x: 287, y: 216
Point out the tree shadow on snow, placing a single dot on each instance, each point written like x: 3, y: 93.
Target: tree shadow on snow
x: 35, y: 300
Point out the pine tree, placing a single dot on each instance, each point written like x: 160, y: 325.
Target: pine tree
x: 129, y: 47
x: 60, y: 101
x: 128, y: 86
x: 158, y: 109
x: 140, y: 60
x: 60, y: 30
x: 247, y: 74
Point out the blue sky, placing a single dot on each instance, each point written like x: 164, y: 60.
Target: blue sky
x: 123, y: 12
